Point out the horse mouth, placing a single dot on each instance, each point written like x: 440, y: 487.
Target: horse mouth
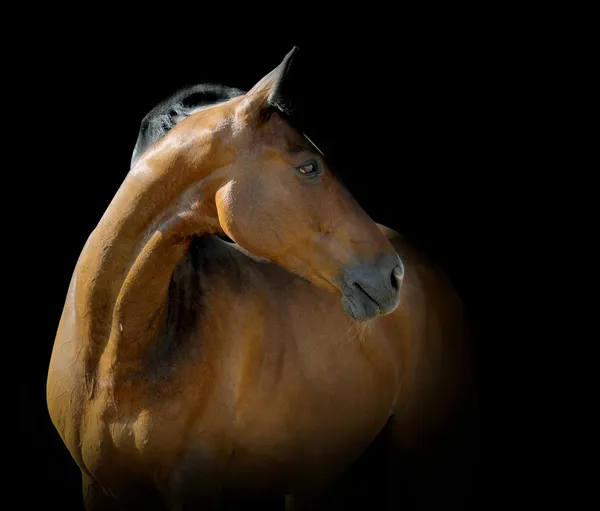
x: 359, y: 305
x: 369, y: 297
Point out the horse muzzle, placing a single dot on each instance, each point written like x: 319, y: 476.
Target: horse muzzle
x: 372, y: 289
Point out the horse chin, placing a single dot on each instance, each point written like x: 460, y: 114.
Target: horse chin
x: 360, y: 310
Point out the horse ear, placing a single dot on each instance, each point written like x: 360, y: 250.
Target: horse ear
x: 276, y: 89
x: 283, y: 91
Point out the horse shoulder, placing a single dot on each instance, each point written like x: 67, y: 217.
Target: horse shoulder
x: 63, y: 390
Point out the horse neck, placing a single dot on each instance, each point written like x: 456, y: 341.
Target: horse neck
x: 125, y: 268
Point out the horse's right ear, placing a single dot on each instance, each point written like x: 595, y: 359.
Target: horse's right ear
x: 276, y: 90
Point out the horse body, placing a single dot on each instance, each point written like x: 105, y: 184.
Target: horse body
x: 279, y: 404
x: 186, y: 367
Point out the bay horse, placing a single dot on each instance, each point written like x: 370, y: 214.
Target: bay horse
x: 188, y: 372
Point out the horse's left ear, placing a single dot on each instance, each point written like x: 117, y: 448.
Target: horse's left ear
x: 275, y: 90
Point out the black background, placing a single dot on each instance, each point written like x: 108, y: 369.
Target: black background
x: 415, y: 125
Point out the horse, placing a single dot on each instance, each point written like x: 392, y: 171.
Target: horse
x: 189, y: 372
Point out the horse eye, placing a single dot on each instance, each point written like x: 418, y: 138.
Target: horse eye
x: 307, y: 168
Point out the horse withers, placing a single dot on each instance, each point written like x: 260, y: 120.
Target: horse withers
x: 188, y: 371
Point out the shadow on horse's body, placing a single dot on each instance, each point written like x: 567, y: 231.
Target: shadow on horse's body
x: 189, y: 371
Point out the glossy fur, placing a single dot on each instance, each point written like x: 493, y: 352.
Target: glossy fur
x: 189, y: 371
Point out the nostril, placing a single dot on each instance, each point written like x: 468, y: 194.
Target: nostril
x: 396, y: 278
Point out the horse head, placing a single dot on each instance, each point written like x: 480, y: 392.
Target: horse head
x: 278, y: 199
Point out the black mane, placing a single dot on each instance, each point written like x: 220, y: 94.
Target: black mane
x: 164, y: 116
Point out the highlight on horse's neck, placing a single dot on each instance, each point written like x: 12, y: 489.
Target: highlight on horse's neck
x: 124, y: 271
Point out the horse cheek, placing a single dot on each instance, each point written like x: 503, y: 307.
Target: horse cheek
x: 224, y: 200
x: 238, y: 214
